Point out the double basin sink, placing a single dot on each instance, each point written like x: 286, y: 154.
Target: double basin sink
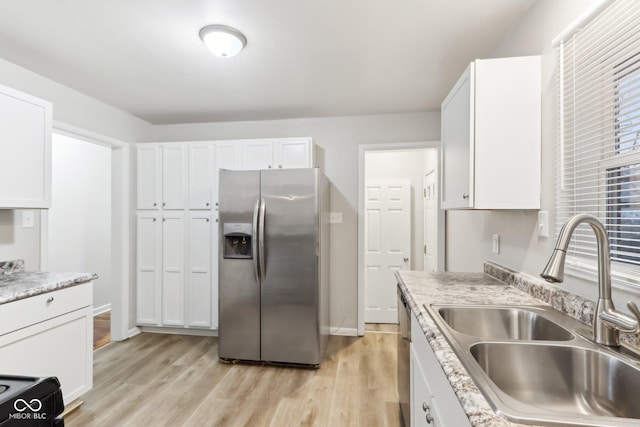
x: 535, y: 366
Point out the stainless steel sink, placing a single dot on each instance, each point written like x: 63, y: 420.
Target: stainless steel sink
x: 545, y: 375
x: 561, y: 378
x: 503, y: 323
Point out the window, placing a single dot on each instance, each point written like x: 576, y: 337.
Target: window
x: 599, y: 135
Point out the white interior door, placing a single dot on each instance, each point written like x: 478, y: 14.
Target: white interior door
x: 387, y: 242
x: 430, y: 221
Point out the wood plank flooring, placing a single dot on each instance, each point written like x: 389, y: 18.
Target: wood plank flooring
x: 101, y: 329
x: 177, y: 380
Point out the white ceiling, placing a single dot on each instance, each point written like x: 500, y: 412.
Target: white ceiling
x: 304, y: 58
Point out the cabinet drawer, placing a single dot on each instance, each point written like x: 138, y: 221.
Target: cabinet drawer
x: 28, y: 311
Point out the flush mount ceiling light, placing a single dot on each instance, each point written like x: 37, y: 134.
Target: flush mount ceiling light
x: 223, y: 41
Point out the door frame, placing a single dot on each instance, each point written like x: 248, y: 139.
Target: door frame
x: 440, y: 221
x: 362, y: 149
x: 120, y: 225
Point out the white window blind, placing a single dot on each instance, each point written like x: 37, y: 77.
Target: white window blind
x: 599, y: 136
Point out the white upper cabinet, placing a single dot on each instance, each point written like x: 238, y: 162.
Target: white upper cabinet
x: 491, y: 153
x: 201, y: 175
x: 285, y: 153
x: 25, y: 147
x: 161, y: 176
x: 293, y: 153
x: 256, y: 155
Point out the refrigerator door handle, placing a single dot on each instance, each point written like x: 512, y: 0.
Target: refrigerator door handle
x: 263, y: 207
x: 256, y: 253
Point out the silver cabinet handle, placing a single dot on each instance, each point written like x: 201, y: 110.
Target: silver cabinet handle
x: 465, y: 196
x: 406, y: 259
x: 49, y: 300
x: 280, y: 166
x: 428, y: 418
x: 155, y: 204
x: 207, y: 204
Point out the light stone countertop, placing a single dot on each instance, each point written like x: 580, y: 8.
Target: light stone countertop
x: 15, y: 283
x: 497, y: 285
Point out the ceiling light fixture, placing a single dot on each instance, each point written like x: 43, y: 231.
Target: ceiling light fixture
x: 223, y: 41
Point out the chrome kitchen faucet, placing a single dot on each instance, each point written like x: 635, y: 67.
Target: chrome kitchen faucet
x: 607, y: 321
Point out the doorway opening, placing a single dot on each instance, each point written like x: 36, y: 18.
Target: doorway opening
x: 87, y: 227
x: 399, y: 223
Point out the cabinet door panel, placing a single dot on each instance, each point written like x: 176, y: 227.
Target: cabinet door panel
x: 149, y: 276
x: 173, y: 177
x: 173, y: 269
x: 25, y: 147
x: 457, y: 144
x: 201, y: 176
x: 292, y: 154
x: 58, y: 347
x: 228, y: 156
x: 199, y: 270
x: 257, y: 155
x: 148, y: 176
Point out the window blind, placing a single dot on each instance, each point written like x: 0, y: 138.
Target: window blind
x: 599, y: 138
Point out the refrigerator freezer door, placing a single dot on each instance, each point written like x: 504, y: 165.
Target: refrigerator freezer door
x: 290, y: 288
x: 239, y: 310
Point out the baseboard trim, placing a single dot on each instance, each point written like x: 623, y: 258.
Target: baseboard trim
x: 133, y: 332
x: 101, y: 309
x: 349, y: 332
x: 179, y: 331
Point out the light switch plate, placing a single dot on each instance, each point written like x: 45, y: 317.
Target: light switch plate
x: 543, y: 224
x: 335, y: 217
x: 28, y: 219
x: 496, y: 244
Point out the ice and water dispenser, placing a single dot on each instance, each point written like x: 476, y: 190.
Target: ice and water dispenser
x: 238, y: 241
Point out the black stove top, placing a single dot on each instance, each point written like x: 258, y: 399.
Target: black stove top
x: 30, y: 402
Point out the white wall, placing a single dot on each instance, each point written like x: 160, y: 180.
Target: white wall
x: 17, y: 242
x: 337, y: 140
x: 469, y: 233
x: 80, y: 214
x: 404, y: 164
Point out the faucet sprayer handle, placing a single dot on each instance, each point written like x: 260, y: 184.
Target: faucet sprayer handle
x: 633, y: 308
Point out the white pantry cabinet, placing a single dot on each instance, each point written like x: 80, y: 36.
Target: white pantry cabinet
x: 491, y: 142
x: 177, y: 232
x: 202, y: 268
x: 25, y: 146
x: 433, y: 401
x: 51, y: 334
x: 160, y: 272
x: 161, y: 176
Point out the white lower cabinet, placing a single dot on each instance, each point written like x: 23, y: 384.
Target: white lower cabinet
x: 176, y: 269
x: 160, y: 272
x: 202, y: 297
x: 51, y: 334
x: 173, y: 269
x: 433, y: 401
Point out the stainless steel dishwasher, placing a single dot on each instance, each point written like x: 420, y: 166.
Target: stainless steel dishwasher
x: 404, y: 374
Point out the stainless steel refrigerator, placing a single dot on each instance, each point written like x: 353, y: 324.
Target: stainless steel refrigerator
x: 273, y: 266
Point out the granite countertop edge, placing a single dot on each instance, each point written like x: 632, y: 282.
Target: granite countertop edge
x: 497, y: 285
x: 19, y: 285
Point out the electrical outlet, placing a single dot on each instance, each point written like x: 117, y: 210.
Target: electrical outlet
x: 335, y: 217
x: 496, y: 244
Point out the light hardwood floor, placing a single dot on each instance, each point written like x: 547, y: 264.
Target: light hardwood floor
x: 101, y: 330
x: 174, y: 380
